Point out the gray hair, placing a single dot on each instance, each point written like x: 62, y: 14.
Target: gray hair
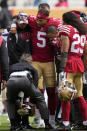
x: 26, y: 57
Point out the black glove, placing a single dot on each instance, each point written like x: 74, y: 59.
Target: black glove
x: 83, y: 16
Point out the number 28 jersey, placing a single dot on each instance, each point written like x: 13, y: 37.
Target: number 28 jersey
x: 42, y: 51
x: 77, y: 42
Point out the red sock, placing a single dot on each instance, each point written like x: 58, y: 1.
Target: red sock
x: 65, y: 110
x: 52, y: 100
x: 42, y: 90
x: 83, y: 107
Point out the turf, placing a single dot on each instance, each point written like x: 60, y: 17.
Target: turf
x: 5, y: 124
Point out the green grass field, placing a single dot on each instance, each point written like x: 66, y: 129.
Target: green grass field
x: 4, y: 124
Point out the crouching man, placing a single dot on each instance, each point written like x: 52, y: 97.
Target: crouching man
x: 22, y: 83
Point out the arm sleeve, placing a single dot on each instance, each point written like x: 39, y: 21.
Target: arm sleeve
x: 12, y: 52
x: 65, y: 30
x: 35, y: 75
x: 1, y: 15
x: 4, y: 61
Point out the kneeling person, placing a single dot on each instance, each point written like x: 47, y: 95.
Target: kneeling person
x: 24, y: 78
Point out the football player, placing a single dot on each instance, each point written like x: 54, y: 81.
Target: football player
x: 44, y: 6
x: 53, y: 38
x: 37, y: 119
x: 73, y: 37
x: 43, y: 55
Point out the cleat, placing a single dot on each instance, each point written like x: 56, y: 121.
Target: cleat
x: 48, y: 127
x: 63, y: 128
x: 27, y: 127
x: 81, y: 127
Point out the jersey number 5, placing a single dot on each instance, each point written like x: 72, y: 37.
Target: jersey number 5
x: 42, y: 39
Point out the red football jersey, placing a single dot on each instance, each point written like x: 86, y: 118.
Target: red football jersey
x: 77, y: 42
x: 42, y: 51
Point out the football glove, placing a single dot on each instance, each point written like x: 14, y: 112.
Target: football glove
x: 62, y: 76
x: 85, y: 77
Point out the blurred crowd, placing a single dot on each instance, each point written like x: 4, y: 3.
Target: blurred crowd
x: 35, y: 3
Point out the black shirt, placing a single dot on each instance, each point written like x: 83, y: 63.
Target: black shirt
x: 24, y: 66
x: 18, y: 44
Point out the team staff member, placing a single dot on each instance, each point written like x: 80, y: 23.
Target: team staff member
x: 4, y: 65
x: 23, y: 77
x: 73, y: 36
x: 19, y: 42
x: 19, y: 38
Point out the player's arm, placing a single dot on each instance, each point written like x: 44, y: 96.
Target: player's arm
x: 4, y: 63
x: 64, y: 51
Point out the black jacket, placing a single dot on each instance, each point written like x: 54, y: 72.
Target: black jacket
x: 5, y: 18
x: 12, y: 53
x: 23, y: 44
x: 22, y: 66
x: 18, y: 44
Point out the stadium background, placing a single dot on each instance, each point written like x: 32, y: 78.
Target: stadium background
x: 28, y: 7
x: 54, y: 12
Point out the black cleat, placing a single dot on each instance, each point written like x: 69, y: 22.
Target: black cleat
x: 12, y: 128
x: 81, y: 127
x: 27, y: 127
x: 17, y: 128
x: 58, y: 121
x: 48, y: 126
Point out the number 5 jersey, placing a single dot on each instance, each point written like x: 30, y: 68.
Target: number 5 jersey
x: 42, y: 51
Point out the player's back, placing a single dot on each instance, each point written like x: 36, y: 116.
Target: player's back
x: 76, y: 45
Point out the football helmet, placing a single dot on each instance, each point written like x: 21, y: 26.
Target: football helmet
x: 24, y: 110
x: 66, y: 90
x: 27, y: 109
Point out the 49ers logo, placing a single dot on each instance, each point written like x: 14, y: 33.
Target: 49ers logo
x: 25, y: 35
